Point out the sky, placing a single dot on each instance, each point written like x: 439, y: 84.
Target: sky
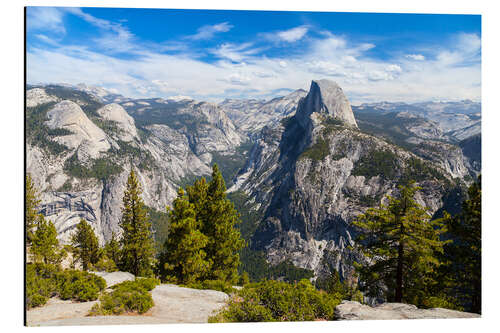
x: 215, y: 54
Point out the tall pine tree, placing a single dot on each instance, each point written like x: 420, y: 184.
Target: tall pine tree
x: 31, y: 203
x: 137, y: 241
x: 463, y: 254
x: 45, y: 246
x: 86, y: 244
x: 402, y: 244
x: 184, y: 260
x: 112, y: 249
x: 219, y: 219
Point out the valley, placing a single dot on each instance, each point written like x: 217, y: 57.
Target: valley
x: 306, y: 163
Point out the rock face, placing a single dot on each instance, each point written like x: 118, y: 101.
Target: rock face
x: 349, y: 310
x: 310, y: 177
x: 325, y: 97
x: 114, y: 112
x: 86, y: 135
x: 38, y: 96
x: 164, y: 157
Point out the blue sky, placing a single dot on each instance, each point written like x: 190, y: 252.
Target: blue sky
x: 212, y: 55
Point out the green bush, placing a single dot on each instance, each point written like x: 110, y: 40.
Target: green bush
x: 40, y: 284
x: 213, y: 285
x: 44, y: 281
x: 79, y: 285
x: 278, y: 301
x: 128, y: 296
x: 105, y: 264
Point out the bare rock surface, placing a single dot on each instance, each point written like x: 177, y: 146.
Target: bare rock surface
x: 69, y: 115
x: 326, y: 97
x: 38, y: 96
x: 173, y: 304
x: 57, y: 309
x: 125, y: 123
x: 349, y: 310
x: 115, y: 277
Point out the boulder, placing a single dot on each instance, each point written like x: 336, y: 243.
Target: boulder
x: 349, y: 310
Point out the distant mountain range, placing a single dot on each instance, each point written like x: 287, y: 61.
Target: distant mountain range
x: 299, y: 168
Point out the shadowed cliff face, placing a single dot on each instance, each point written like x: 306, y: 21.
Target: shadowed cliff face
x: 325, y: 98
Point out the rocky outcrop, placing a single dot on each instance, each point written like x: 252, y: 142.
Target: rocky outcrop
x: 349, y: 310
x: 38, y: 96
x: 86, y: 136
x: 447, y: 156
x: 172, y: 304
x: 113, y: 278
x: 325, y: 98
x: 125, y: 123
x: 164, y: 157
x: 311, y: 175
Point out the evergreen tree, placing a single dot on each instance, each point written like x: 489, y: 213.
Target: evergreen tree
x: 112, y: 249
x: 402, y: 244
x: 184, y: 260
x: 31, y: 203
x: 85, y: 244
x: 45, y: 246
x: 219, y: 219
x: 137, y: 243
x: 463, y: 255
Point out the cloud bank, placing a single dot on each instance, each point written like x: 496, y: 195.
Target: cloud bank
x: 449, y: 71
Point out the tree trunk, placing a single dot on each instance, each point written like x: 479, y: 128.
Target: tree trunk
x: 399, y: 271
x: 399, y: 275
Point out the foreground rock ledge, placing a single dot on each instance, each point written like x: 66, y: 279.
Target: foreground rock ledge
x: 349, y: 310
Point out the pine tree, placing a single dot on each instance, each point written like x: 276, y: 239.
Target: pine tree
x: 31, y: 203
x: 112, y: 249
x: 402, y: 244
x: 184, y: 260
x: 463, y: 255
x: 86, y: 244
x: 45, y: 246
x: 219, y: 219
x: 137, y: 243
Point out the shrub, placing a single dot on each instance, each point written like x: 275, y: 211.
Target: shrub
x: 278, y: 301
x: 213, y: 285
x: 105, y: 264
x: 79, y: 285
x: 40, y: 284
x: 128, y: 296
x: 44, y: 281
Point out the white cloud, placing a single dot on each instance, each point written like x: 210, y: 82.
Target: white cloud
x: 418, y: 57
x: 208, y: 31
x: 292, y: 35
x: 46, y: 19
x: 243, y: 71
x: 47, y: 39
x: 234, y: 52
x: 393, y: 68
